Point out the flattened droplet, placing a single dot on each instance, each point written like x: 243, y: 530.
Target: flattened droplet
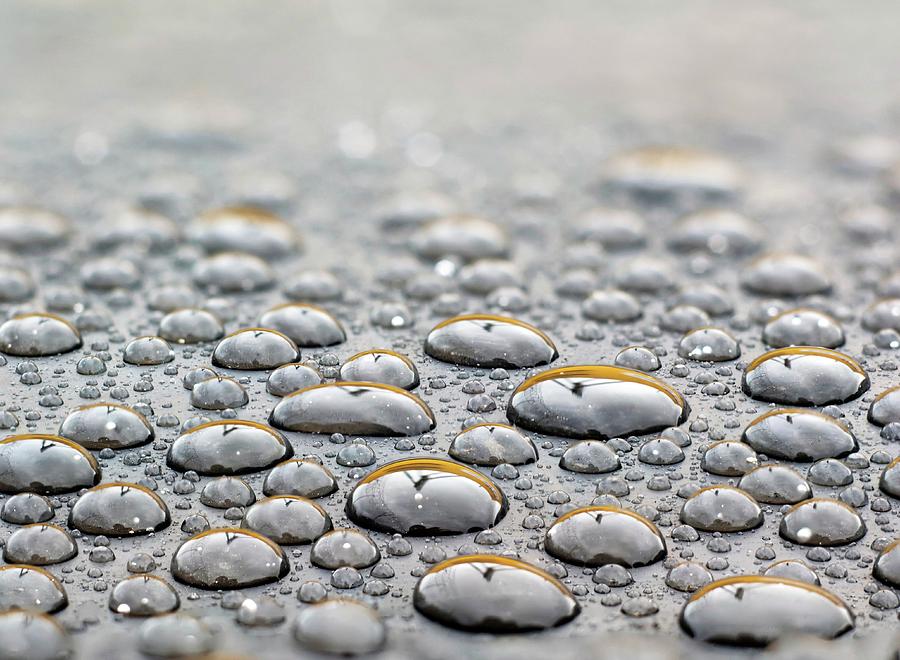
x: 119, y: 509
x: 785, y: 275
x: 148, y: 351
x: 885, y: 409
x: 805, y: 376
x: 882, y: 315
x: 822, y: 522
x: 228, y: 559
x: 300, y: 477
x: 353, y: 408
x: 795, y: 434
x: 611, y: 306
x: 721, y: 509
x: 889, y: 482
x: 287, y: 519
x: 482, y: 340
x: 306, y: 325
x: 589, y: 457
x: 233, y: 272
x: 803, y: 327
x: 465, y: 237
x: 638, y: 357
x: 757, y: 610
x: 599, y: 535
x: 493, y: 444
x: 381, y: 366
x: 717, y: 232
x: 728, y: 458
x: 424, y: 497
x: 793, y: 569
x: 190, y: 326
x: 775, y: 484
x: 339, y: 626
x: 254, y: 349
x: 228, y: 447
x: 244, y: 229
x: 30, y: 635
x: 289, y: 378
x: 106, y: 425
x: 218, y: 393
x: 30, y: 588
x: 16, y: 284
x: 45, y: 464
x: 30, y: 229
x: 709, y: 345
x: 596, y: 401
x: 671, y: 170
x: 143, y: 595
x: 38, y: 335
x: 39, y: 545
x: 489, y: 593
x: 227, y: 492
x: 344, y: 547
x: 887, y: 564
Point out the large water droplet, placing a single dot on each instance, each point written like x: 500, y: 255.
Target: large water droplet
x: 143, y: 595
x: 822, y: 522
x: 119, y: 509
x: 795, y: 434
x: 38, y: 335
x: 598, y: 535
x: 339, y: 626
x: 721, y: 509
x: 39, y: 545
x: 228, y: 447
x: 106, y: 425
x: 481, y: 340
x: 45, y: 464
x: 254, y: 349
x: 381, y: 366
x: 244, y: 229
x: 306, y: 325
x: 30, y: 588
x: 493, y: 444
x: 287, y: 519
x: 228, y: 559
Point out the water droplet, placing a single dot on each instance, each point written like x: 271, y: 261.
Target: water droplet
x: 175, y: 636
x: 227, y: 492
x: 228, y: 446
x: 45, y: 464
x: 493, y: 444
x: 254, y: 349
x: 233, y: 272
x: 717, y: 232
x: 38, y: 335
x: 306, y: 325
x: 721, y: 509
x: 889, y: 481
x: 143, y: 595
x: 785, y: 275
x: 190, y: 326
x: 29, y: 635
x: 381, y: 366
x: 775, y: 484
x: 287, y: 519
x: 793, y: 569
x: 637, y: 357
x: 885, y: 409
x: 299, y: 477
x: 806, y: 376
x: 795, y: 434
x: 218, y: 393
x: 465, y: 237
x: 26, y: 508
x: 244, y: 229
x: 339, y: 626
x: 480, y: 340
x: 484, y: 593
x: 614, y: 229
x: 709, y: 345
x: 228, y: 559
x: 39, y: 545
x: 106, y: 425
x: 822, y: 522
x: 887, y: 564
x: 670, y: 170
x: 119, y: 509
x: 30, y: 588
x: 426, y: 496
x: 803, y: 327
x: 728, y: 458
x: 596, y: 401
x: 289, y: 378
x: 24, y: 229
x: 611, y: 306
x: 589, y: 457
x: 353, y: 408
x: 344, y: 547
x: 598, y: 535
x: 148, y: 351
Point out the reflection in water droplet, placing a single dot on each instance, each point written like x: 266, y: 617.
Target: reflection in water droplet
x: 289, y: 378
x: 306, y: 325
x: 243, y: 229
x: 228, y: 446
x: 287, y: 519
x: 493, y: 444
x: 299, y: 477
x: 38, y: 335
x: 795, y: 434
x: 721, y: 509
x: 344, y: 547
x: 793, y: 569
x: 785, y: 275
x: 596, y: 401
x: 598, y: 535
x: 887, y: 564
x: 466, y: 237
x: 709, y: 345
x: 339, y: 626
x: 489, y: 593
x: 233, y: 272
x: 481, y: 340
x: 381, y: 366
x: 45, y: 464
x: 119, y: 509
x: 143, y: 595
x: 728, y: 458
x: 106, y: 425
x: 589, y: 457
x: 39, y: 545
x: 637, y: 357
x: 424, y: 497
x: 190, y: 326
x: 30, y: 588
x: 803, y: 327
x: 218, y: 393
x: 30, y: 635
x: 775, y: 484
x: 228, y: 559
x: 254, y: 349
x: 806, y: 376
x: 885, y: 409
x: 353, y: 408
x: 148, y: 351
x: 822, y: 522
x: 755, y: 611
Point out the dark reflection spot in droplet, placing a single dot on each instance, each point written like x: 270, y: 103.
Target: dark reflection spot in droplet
x: 381, y: 366
x: 228, y: 559
x: 822, y: 522
x: 45, y: 464
x: 493, y: 444
x: 480, y: 340
x: 119, y: 509
x: 804, y: 375
x: 228, y: 447
x: 799, y: 435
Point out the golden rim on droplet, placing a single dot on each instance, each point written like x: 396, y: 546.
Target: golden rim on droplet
x: 130, y: 486
x: 369, y: 385
x: 47, y: 315
x: 608, y: 509
x: 498, y: 559
x: 495, y: 319
x: 800, y: 351
x: 779, y: 412
x: 235, y: 422
x: 238, y: 531
x: 766, y: 579
x: 295, y: 498
x: 253, y: 214
x: 435, y: 465
x: 259, y: 329
x: 604, y: 372
x: 36, y: 569
x: 817, y: 500
x: 56, y: 439
x: 382, y: 351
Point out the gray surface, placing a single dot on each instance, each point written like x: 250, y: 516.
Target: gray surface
x: 526, y: 100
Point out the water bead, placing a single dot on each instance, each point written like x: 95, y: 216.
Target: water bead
x: 304, y: 478
x: 885, y: 409
x: 803, y: 327
x: 426, y: 497
x: 289, y: 378
x: 287, y: 519
x: 244, y: 229
x: 355, y: 409
x: 233, y: 272
x: 344, y: 547
x: 226, y: 447
x: 595, y: 401
x: 493, y: 444
x: 709, y: 345
x: 175, y: 636
x: 728, y: 458
x: 38, y: 335
x: 381, y: 366
x: 143, y: 595
x: 887, y: 564
x: 775, y: 484
x: 490, y: 593
x: 793, y: 569
x: 137, y: 226
x: 148, y: 351
x: 889, y: 482
x: 228, y: 559
x: 721, y: 509
x: 822, y: 522
x: 26, y: 229
x: 106, y: 425
x: 486, y: 275
x: 466, y: 237
x: 39, y: 545
x: 107, y: 274
x: 119, y: 509
x: 479, y: 340
x: 30, y: 635
x: 45, y: 464
x: 30, y: 588
x: 614, y: 229
x: 254, y: 349
x: 637, y: 357
x: 804, y: 375
x: 314, y: 286
x: 716, y: 231
x: 190, y: 326
x: 305, y: 325
x: 589, y: 457
x: 671, y: 170
x: 882, y: 315
x: 339, y: 626
x: 25, y: 508
x: 218, y: 393
x: 795, y: 434
x: 611, y: 306
x: 16, y: 284
x: 785, y: 275
x: 227, y: 492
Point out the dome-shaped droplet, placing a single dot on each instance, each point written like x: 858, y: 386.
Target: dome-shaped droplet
x: 589, y: 457
x: 803, y: 327
x: 493, y: 444
x: 611, y: 306
x: 353, y: 408
x: 822, y: 522
x: 381, y: 366
x: 306, y: 325
x: 119, y: 509
x: 218, y: 393
x: 227, y: 492
x: 614, y: 229
x: 717, y: 232
x: 313, y: 286
x: 595, y: 401
x: 644, y: 275
x: 143, y: 595
x: 45, y: 464
x: 889, y: 482
x: 728, y: 458
x: 481, y: 340
x: 721, y: 509
x: 885, y: 409
x: 756, y: 610
x: 670, y: 170
x: 244, y: 229
x: 339, y: 626
x: 805, y: 376
x: 30, y: 588
x: 709, y: 345
x: 228, y: 559
x: 660, y: 451
x: 465, y: 237
x: 175, y: 636
x: 795, y: 434
x: 148, y: 351
x: 775, y: 484
x: 299, y: 477
x: 424, y: 497
x: 39, y: 545
x: 233, y: 272
x: 228, y: 446
x: 190, y: 326
x: 30, y: 635
x: 38, y: 335
x: 25, y: 229
x: 684, y: 318
x: 136, y: 227
x: 882, y: 315
x: 887, y: 564
x: 688, y: 576
x: 107, y: 274
x: 598, y: 535
x: 637, y: 357
x: 785, y: 275
x: 26, y: 508
x: 287, y: 519
x: 289, y: 378
x: 490, y: 593
x: 486, y: 275
x: 793, y: 569
x: 344, y: 547
x: 254, y: 349
x: 16, y: 284
x: 106, y: 425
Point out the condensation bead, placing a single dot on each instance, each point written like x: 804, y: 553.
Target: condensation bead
x: 804, y: 375
x: 381, y: 366
x: 228, y: 559
x: 254, y: 349
x: 143, y: 595
x: 721, y: 509
x: 822, y: 522
x: 26, y: 508
x: 709, y: 345
x: 30, y: 588
x: 305, y: 325
x: 785, y: 275
x: 228, y: 447
x: 244, y: 229
x: 466, y: 237
x: 493, y: 444
x: 38, y: 335
x: 340, y: 627
x: 672, y: 170
x: 489, y: 341
x: 218, y: 393
x: 287, y: 519
x: 803, y: 327
x: 614, y: 229
x: 106, y: 425
x: 30, y: 635
x: 190, y: 326
x: 45, y: 464
x: 290, y: 378
x: 716, y: 231
x: 233, y: 272
x: 611, y: 306
x: 795, y: 434
x: 887, y: 564
x: 29, y: 229
x: 775, y: 484
x: 344, y: 547
x: 589, y: 457
x: 39, y: 545
x: 728, y: 458
x: 885, y: 409
x: 148, y: 351
x: 119, y: 509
